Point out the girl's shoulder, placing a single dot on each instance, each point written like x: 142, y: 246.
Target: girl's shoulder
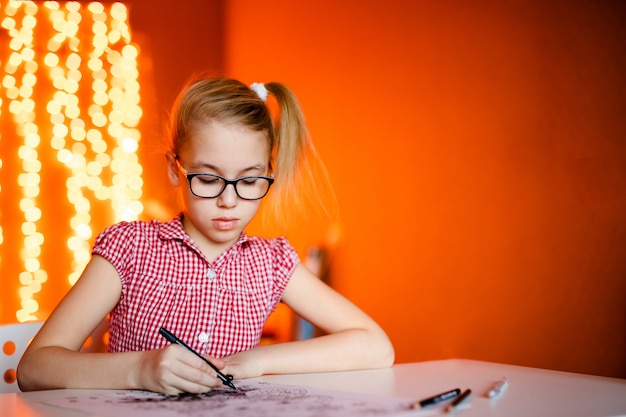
x: 275, y: 246
x: 267, y: 242
x: 126, y: 241
x: 130, y: 230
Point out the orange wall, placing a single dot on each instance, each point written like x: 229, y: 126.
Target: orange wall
x: 478, y: 152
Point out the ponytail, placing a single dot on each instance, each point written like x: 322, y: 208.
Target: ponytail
x: 301, y: 178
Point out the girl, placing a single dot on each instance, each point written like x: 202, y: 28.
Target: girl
x: 200, y: 275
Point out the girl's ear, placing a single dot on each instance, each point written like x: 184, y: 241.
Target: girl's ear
x: 172, y: 169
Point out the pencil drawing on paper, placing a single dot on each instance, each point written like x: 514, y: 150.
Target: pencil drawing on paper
x: 257, y: 399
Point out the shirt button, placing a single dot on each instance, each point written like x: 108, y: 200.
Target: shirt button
x: 203, y: 337
x: 211, y: 274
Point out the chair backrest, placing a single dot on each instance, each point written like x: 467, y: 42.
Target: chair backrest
x: 14, y: 339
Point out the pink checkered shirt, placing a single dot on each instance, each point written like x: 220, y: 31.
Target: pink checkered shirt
x: 218, y: 308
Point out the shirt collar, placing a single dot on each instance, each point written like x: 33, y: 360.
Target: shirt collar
x: 174, y: 230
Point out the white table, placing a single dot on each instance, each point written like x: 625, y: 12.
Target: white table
x: 531, y: 391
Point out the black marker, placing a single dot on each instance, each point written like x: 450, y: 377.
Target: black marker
x: 458, y: 400
x: 436, y: 399
x: 226, y: 380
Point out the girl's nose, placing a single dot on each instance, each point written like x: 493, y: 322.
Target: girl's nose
x: 228, y: 198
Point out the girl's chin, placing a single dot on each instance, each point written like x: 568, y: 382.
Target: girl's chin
x: 229, y: 236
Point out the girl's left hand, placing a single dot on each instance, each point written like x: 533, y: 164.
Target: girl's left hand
x: 246, y: 364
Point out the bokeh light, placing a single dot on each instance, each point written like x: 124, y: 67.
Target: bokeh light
x: 70, y: 86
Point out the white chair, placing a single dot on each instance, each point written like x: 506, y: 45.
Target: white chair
x: 14, y: 339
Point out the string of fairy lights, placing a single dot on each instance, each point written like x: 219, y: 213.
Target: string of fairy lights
x: 70, y: 85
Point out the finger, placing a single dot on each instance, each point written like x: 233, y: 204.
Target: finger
x: 219, y: 363
x: 189, y: 373
x: 181, y: 385
x: 196, y: 361
x: 190, y: 380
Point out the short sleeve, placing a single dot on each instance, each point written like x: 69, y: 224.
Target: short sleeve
x: 116, y: 244
x: 285, y: 262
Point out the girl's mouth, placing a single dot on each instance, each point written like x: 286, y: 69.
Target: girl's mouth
x: 224, y: 224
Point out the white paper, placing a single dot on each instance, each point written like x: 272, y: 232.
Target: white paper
x: 258, y: 399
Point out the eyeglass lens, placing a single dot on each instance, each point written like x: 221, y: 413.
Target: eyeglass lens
x: 248, y: 188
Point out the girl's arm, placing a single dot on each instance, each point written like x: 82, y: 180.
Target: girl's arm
x: 354, y: 340
x: 53, y: 360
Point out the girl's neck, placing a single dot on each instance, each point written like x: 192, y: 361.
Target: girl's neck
x: 211, y: 250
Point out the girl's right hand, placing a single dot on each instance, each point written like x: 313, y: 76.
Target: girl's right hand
x: 173, y: 370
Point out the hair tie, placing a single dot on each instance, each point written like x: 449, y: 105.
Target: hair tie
x: 260, y: 90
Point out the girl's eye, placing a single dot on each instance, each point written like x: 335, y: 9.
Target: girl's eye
x: 208, y: 180
x: 249, y: 181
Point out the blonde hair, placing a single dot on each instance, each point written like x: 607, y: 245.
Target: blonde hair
x: 296, y: 168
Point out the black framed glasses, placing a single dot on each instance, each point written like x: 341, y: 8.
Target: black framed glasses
x: 211, y: 185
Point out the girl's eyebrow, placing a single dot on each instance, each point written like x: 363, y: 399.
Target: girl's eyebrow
x: 210, y: 167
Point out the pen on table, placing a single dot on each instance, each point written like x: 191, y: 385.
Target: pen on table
x: 498, y: 388
x: 436, y: 399
x: 458, y: 400
x: 226, y: 379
